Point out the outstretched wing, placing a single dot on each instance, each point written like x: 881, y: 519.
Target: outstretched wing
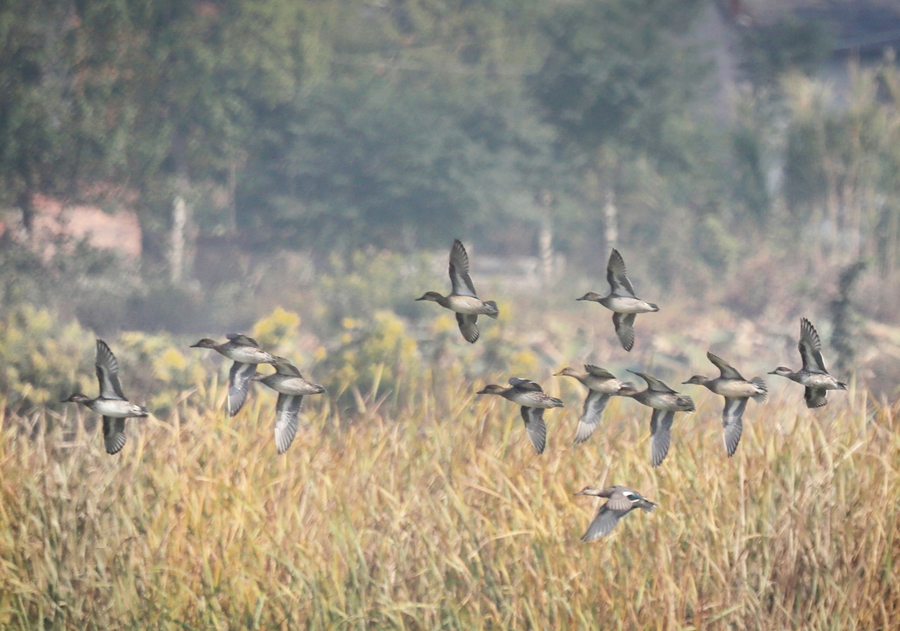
x: 603, y: 523
x: 653, y: 383
x: 732, y: 423
x: 525, y: 384
x: 459, y: 270
x: 108, y: 373
x: 594, y: 405
x: 815, y: 397
x: 661, y: 431
x: 537, y: 429
x: 468, y: 326
x: 726, y: 370
x: 596, y: 371
x: 616, y: 275
x: 810, y: 347
x: 238, y: 384
x: 624, y: 323
x: 113, y: 434
x: 286, y: 411
x: 240, y: 338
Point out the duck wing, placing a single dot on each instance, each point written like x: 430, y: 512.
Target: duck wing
x: 108, y: 373
x: 525, y: 384
x: 661, y: 433
x: 616, y: 275
x: 594, y: 405
x: 537, y: 429
x: 621, y: 498
x: 603, y: 523
x: 726, y: 370
x: 810, y: 348
x: 624, y: 323
x: 468, y: 326
x: 653, y: 383
x: 238, y: 384
x: 286, y: 411
x: 243, y: 340
x: 459, y: 271
x: 285, y: 367
x: 113, y: 434
x: 815, y: 397
x: 732, y: 423
x: 596, y: 371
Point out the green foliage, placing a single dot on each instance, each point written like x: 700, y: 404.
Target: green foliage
x: 788, y: 45
x: 613, y: 73
x: 40, y: 359
x: 376, y: 358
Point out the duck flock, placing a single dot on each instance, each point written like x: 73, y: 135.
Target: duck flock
x: 463, y: 300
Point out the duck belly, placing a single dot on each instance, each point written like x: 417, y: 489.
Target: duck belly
x: 604, y: 386
x: 467, y: 305
x: 533, y: 399
x: 628, y: 304
x: 821, y: 381
x: 249, y: 355
x: 296, y: 386
x: 117, y: 409
x: 736, y: 389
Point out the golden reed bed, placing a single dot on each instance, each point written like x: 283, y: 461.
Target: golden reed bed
x: 442, y: 517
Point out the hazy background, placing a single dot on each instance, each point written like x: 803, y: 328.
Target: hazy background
x: 298, y: 170
x: 185, y: 168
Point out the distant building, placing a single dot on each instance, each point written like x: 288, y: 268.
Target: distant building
x: 120, y: 231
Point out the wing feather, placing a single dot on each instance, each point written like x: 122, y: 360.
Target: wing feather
x: 594, y: 404
x: 537, y: 429
x: 286, y: 411
x: 460, y: 280
x: 113, y: 434
x: 617, y: 276
x: 732, y: 423
x: 468, y: 326
x: 108, y: 373
x: 238, y: 385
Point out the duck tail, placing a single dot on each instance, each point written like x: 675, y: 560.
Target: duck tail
x: 653, y: 307
x: 494, y: 312
x: 557, y: 403
x: 842, y: 385
x: 763, y: 396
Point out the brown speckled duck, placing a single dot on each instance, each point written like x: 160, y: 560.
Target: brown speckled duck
x: 601, y: 385
x: 533, y: 400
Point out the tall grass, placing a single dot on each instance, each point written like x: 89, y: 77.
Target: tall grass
x: 442, y: 517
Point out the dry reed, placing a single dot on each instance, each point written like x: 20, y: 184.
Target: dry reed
x: 442, y: 517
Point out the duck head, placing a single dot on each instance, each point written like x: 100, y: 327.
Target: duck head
x: 76, y: 397
x: 590, y: 490
x: 492, y: 389
x: 567, y: 372
x: 781, y: 370
x: 696, y: 380
x: 205, y: 343
x: 591, y: 296
x: 431, y: 295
